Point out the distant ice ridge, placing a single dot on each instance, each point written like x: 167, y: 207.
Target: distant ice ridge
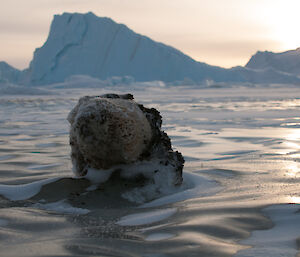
x: 13, y: 89
x: 288, y: 62
x: 84, y: 44
x: 9, y: 74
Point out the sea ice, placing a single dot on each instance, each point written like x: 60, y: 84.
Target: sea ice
x: 194, y: 185
x: 25, y: 191
x: 279, y: 240
x: 3, y: 223
x: 159, y: 236
x: 144, y: 218
x: 61, y: 207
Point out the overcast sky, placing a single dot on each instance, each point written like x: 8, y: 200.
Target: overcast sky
x: 219, y: 32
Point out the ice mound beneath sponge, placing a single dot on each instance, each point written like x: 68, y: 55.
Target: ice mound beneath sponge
x: 139, y: 182
x: 112, y: 134
x: 101, y: 189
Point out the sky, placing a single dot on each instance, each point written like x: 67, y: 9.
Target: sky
x: 219, y: 32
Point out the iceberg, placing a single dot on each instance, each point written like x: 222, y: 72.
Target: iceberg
x: 288, y: 62
x: 86, y: 45
x: 9, y: 74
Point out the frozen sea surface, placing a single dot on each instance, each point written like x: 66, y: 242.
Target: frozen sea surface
x: 240, y: 196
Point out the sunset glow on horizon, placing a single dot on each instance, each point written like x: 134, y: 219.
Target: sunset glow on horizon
x: 282, y: 18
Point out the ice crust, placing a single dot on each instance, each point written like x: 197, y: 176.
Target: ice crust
x: 194, y: 185
x: 61, y: 207
x: 159, y: 236
x: 160, y: 190
x: 281, y: 240
x: 144, y: 218
x: 3, y: 223
x: 25, y: 191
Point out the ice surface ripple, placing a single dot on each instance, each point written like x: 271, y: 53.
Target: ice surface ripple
x: 244, y: 139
